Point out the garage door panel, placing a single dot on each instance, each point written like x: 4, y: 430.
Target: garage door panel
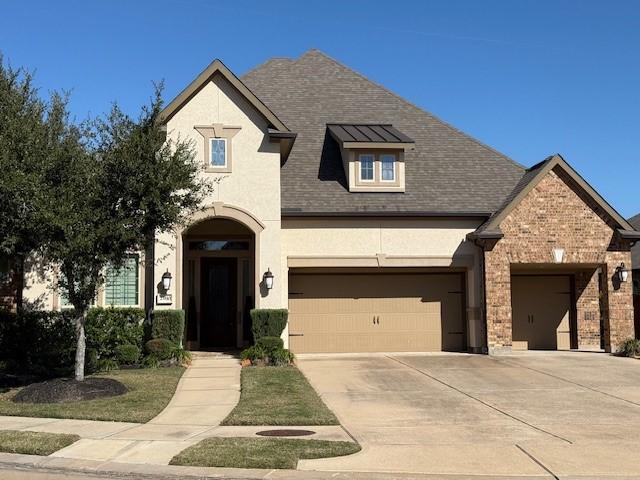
x: 375, y: 313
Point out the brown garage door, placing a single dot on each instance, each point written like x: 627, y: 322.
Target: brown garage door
x: 335, y: 313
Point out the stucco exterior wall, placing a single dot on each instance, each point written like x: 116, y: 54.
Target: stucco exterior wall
x: 389, y: 242
x: 253, y: 185
x: 557, y: 214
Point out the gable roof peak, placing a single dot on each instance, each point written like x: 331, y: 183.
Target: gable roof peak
x: 218, y: 67
x: 532, y: 177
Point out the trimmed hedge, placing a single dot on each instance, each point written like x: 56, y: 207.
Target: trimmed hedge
x: 127, y: 354
x: 43, y: 343
x: 107, y: 328
x: 160, y: 348
x: 38, y: 342
x: 270, y: 344
x: 268, y: 322
x: 168, y: 324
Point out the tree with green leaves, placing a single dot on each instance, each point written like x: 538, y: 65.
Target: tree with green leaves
x: 113, y: 186
x: 27, y: 135
x: 160, y: 175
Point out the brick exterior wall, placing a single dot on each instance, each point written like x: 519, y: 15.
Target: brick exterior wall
x: 587, y: 296
x: 556, y: 213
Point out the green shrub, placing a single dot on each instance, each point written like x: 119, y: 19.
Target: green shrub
x: 108, y: 328
x: 150, y: 361
x: 161, y: 348
x: 168, y: 324
x: 267, y: 322
x: 41, y: 343
x: 127, y: 354
x: 270, y: 344
x: 91, y: 360
x: 107, y: 364
x: 630, y: 348
x: 281, y: 356
x: 253, y: 353
x: 180, y: 355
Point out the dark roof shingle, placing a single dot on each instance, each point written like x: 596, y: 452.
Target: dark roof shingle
x: 448, y: 172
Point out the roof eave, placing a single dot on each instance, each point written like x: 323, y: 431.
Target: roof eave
x: 217, y: 67
x: 632, y: 235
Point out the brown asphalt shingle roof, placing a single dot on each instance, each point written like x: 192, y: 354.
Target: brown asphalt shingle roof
x: 448, y: 172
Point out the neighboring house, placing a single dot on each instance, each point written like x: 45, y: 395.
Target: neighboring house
x: 635, y: 265
x: 379, y: 226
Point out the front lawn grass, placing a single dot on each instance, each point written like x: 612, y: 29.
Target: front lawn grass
x: 150, y: 390
x: 34, y: 443
x: 259, y: 453
x: 278, y: 396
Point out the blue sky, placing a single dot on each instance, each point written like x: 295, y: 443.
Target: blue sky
x: 529, y: 78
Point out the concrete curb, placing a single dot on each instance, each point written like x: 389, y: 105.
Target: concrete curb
x: 67, y: 466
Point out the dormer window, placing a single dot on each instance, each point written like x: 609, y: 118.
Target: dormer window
x: 388, y: 167
x: 366, y: 168
x: 372, y: 155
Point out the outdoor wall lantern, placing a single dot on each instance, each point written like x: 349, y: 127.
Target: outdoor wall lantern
x: 268, y: 279
x: 623, y: 273
x: 166, y: 280
x: 558, y: 255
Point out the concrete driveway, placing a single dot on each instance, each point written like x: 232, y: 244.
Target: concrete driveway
x: 543, y: 414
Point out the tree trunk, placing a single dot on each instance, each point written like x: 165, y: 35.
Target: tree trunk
x: 149, y: 280
x: 81, y: 317
x: 19, y: 283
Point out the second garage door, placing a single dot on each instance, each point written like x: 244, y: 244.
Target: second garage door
x: 334, y: 313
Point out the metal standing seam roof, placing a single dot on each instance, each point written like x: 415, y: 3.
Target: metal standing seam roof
x: 367, y: 133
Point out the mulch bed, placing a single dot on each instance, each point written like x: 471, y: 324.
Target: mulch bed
x: 63, y: 390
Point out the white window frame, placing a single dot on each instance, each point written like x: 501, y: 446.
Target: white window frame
x: 373, y: 167
x: 226, y: 145
x: 393, y: 166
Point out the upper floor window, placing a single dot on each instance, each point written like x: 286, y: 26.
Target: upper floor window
x: 388, y: 167
x: 121, y: 284
x: 218, y: 152
x: 366, y: 167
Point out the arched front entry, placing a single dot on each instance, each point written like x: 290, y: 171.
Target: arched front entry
x: 219, y: 252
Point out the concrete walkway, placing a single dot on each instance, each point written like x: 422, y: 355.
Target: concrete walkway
x: 206, y: 393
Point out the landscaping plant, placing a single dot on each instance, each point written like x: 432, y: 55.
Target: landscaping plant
x: 127, y: 354
x: 268, y: 322
x: 111, y: 186
x: 630, y: 348
x: 160, y: 348
x: 168, y: 324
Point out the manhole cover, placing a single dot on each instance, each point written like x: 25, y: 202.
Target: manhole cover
x: 285, y: 433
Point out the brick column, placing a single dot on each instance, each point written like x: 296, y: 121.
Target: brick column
x: 618, y: 301
x: 498, y: 302
x: 588, y: 308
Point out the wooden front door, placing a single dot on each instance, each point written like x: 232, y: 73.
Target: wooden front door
x: 219, y: 302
